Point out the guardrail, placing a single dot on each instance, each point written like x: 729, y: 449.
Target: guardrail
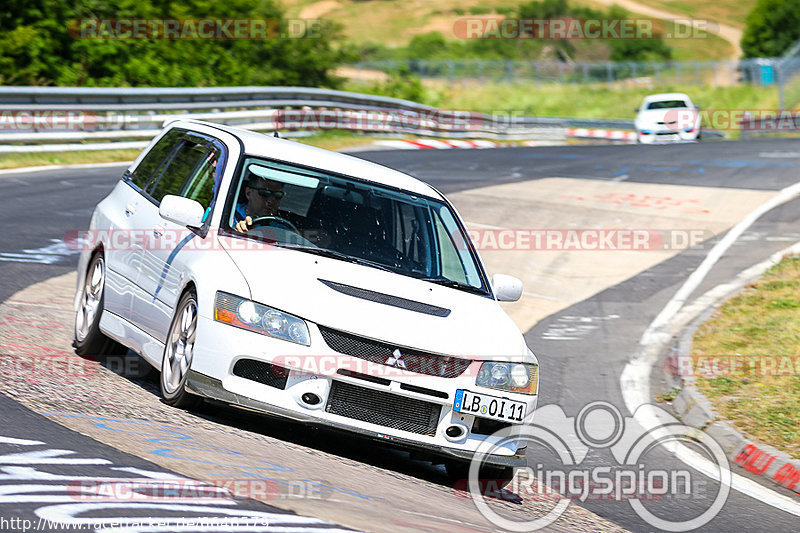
x: 34, y: 118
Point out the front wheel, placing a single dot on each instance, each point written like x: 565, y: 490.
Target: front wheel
x: 178, y: 354
x: 89, y: 340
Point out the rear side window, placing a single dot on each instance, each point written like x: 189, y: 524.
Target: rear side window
x: 155, y: 158
x: 184, y: 164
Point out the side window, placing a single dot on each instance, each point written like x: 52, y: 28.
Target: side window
x: 155, y: 158
x: 456, y: 263
x: 185, y: 164
x: 200, y: 185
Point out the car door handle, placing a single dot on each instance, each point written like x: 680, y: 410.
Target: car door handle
x: 130, y: 209
x: 158, y: 231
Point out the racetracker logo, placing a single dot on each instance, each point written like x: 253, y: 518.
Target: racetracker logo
x: 601, y: 455
x: 47, y: 120
x: 383, y: 121
x: 578, y: 29
x: 172, y: 490
x: 750, y: 120
x: 553, y: 240
x: 210, y: 29
x: 732, y: 366
x: 557, y: 240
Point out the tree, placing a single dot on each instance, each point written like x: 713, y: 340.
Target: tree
x: 41, y: 44
x: 771, y: 28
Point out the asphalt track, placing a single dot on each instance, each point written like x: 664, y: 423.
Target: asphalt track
x: 36, y: 210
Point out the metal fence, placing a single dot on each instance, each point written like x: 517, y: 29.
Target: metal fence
x: 38, y: 117
x: 788, y: 68
x: 628, y: 73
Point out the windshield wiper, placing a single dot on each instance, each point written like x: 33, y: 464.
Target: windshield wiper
x: 326, y: 252
x: 455, y: 285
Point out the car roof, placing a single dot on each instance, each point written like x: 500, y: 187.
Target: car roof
x: 666, y: 96
x: 268, y: 146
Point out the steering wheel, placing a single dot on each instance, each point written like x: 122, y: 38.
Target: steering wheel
x: 261, y: 221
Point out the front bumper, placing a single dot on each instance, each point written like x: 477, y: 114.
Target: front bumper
x: 219, y: 347
x: 666, y: 136
x: 209, y: 387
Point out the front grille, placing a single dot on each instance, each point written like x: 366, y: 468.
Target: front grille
x: 261, y: 372
x: 383, y: 408
x: 381, y: 352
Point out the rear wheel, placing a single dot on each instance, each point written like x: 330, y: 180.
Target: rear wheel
x: 89, y: 340
x: 178, y: 354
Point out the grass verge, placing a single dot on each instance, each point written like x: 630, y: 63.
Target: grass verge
x: 35, y: 159
x: 588, y: 101
x: 760, y: 330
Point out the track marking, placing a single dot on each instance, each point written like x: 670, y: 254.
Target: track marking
x: 635, y: 377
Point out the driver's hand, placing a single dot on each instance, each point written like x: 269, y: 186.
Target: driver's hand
x: 243, y: 226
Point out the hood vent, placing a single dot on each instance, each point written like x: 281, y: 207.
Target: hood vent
x: 387, y: 299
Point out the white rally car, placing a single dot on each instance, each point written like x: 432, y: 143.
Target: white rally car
x: 353, y: 300
x: 667, y: 117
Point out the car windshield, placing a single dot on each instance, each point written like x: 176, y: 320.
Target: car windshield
x: 666, y: 104
x: 350, y: 220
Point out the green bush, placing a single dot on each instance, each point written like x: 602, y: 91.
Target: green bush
x: 36, y: 47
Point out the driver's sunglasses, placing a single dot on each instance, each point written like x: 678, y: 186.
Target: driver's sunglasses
x: 266, y: 193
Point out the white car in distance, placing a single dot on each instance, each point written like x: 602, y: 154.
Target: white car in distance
x: 356, y: 301
x: 667, y: 117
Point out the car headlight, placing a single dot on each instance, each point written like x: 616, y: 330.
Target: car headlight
x: 252, y: 316
x: 513, y: 377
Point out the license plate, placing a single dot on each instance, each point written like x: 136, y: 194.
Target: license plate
x: 486, y: 406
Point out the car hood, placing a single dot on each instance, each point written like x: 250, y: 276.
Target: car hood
x: 311, y: 287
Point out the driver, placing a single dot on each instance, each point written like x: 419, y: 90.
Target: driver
x: 263, y: 198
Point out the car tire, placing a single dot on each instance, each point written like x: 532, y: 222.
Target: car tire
x: 459, y: 470
x: 178, y: 354
x: 88, y: 339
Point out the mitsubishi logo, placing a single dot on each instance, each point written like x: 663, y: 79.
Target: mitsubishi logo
x: 396, y: 360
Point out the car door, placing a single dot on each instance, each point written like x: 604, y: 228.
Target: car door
x: 192, y: 170
x: 125, y: 221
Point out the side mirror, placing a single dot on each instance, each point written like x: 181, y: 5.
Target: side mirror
x: 506, y: 288
x: 180, y: 210
x: 698, y: 107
